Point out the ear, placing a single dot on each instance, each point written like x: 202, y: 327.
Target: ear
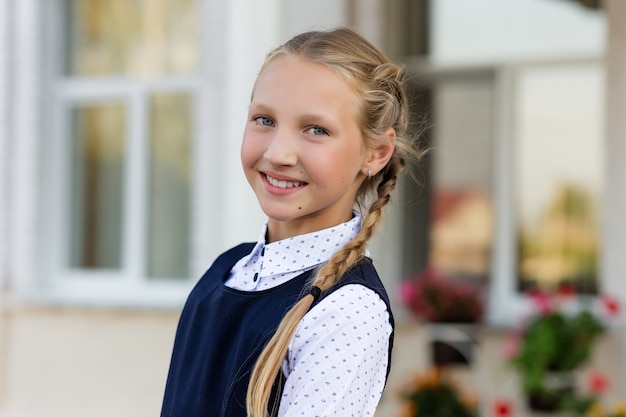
x: 379, y: 156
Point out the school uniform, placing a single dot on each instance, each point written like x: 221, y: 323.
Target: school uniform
x: 338, y: 359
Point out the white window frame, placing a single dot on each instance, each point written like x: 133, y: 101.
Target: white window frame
x: 504, y: 301
x: 129, y: 286
x: 134, y: 96
x: 4, y: 143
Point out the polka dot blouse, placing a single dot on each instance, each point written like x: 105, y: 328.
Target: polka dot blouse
x: 337, y: 359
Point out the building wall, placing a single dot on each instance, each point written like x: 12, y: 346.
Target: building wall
x: 84, y: 362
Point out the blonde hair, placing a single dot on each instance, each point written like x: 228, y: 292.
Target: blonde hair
x: 383, y: 105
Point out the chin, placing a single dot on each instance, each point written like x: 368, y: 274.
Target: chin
x: 280, y: 217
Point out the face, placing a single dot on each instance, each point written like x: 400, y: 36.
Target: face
x: 303, y: 152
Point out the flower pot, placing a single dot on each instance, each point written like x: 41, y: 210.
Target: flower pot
x: 451, y: 344
x: 443, y: 353
x: 546, y: 404
x: 557, y: 385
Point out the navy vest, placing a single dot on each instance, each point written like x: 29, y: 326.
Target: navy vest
x: 222, y: 331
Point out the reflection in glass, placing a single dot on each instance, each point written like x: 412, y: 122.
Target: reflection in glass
x: 169, y: 188
x: 461, y: 229
x: 559, y: 159
x: 97, y: 171
x: 139, y: 37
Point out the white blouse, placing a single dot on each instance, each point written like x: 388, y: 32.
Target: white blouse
x: 337, y: 359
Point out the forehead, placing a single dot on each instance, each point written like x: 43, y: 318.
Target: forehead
x: 295, y: 80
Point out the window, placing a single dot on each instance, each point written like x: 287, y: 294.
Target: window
x: 514, y: 175
x: 558, y: 175
x: 461, y: 178
x: 96, y: 186
x: 124, y: 93
x: 169, y: 187
x: 123, y: 38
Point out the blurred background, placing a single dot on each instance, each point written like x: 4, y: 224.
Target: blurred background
x: 120, y: 181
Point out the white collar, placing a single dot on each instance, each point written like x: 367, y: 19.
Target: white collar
x: 278, y: 261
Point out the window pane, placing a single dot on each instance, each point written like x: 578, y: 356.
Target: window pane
x: 97, y: 169
x: 169, y: 192
x: 139, y: 37
x: 461, y: 229
x: 559, y: 176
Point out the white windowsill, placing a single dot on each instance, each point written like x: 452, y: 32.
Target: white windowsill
x: 156, y: 296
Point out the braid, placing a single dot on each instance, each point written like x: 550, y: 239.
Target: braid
x: 383, y: 105
x: 329, y: 274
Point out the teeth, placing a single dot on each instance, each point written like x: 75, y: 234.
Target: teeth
x: 282, y: 184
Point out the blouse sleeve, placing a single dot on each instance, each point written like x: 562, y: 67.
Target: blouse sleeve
x: 337, y: 360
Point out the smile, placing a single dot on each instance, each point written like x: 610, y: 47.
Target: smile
x: 282, y: 183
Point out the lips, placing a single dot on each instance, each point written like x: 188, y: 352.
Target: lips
x: 279, y: 183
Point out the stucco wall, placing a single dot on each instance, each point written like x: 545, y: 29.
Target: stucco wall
x: 83, y: 362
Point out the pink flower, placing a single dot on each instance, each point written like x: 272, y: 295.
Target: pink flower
x: 437, y: 298
x: 598, y: 382
x: 543, y: 302
x: 511, y: 345
x: 406, y: 292
x: 502, y: 407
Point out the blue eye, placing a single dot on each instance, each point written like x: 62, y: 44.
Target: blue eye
x: 318, y: 131
x: 264, y: 121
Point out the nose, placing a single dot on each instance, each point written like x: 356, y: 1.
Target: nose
x: 282, y: 148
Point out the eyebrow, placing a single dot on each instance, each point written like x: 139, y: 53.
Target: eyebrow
x: 260, y: 106
x: 313, y: 118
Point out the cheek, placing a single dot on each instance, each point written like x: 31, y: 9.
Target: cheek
x: 336, y: 167
x: 248, y: 152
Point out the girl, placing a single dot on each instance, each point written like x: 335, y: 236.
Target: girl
x: 299, y: 323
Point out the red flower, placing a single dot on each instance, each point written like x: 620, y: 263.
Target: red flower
x: 567, y: 291
x: 610, y: 304
x: 502, y: 407
x: 598, y: 382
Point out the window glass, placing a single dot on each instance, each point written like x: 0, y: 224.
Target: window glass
x: 169, y: 186
x: 139, y: 37
x: 97, y: 174
x: 461, y: 199
x: 558, y: 156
